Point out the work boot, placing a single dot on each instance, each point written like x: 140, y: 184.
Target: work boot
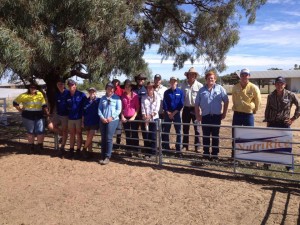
x: 71, y: 154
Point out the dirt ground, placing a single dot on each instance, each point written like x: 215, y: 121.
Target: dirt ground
x: 44, y: 189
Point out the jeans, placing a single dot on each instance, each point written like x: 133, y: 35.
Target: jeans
x: 131, y: 131
x: 241, y: 119
x: 167, y: 128
x: 107, y: 132
x: 188, y: 115
x: 150, y: 141
x: 213, y: 131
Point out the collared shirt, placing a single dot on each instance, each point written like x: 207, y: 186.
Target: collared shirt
x: 130, y: 104
x: 75, y: 104
x: 173, y: 100
x: 140, y: 91
x: 32, y: 105
x: 110, y: 107
x: 151, y: 106
x: 190, y: 92
x: 160, y: 90
x: 61, y: 102
x: 278, y: 109
x: 246, y: 99
x: 90, y: 112
x: 210, y: 101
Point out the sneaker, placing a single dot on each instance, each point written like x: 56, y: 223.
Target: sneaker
x: 105, y: 161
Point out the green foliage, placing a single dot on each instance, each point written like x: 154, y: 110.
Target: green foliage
x: 231, y: 79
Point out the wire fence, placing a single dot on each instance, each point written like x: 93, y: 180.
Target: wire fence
x: 264, y: 152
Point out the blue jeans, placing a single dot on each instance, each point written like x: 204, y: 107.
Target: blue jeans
x: 107, y: 132
x: 167, y: 128
x: 131, y: 131
x: 213, y: 131
x: 241, y: 119
x: 150, y: 138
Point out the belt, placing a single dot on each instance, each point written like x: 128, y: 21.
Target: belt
x: 189, y: 107
x: 211, y: 115
x: 242, y: 113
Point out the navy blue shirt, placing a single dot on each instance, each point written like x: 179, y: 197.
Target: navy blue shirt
x: 140, y: 91
x: 173, y: 100
x: 90, y: 112
x: 75, y: 105
x: 61, y: 102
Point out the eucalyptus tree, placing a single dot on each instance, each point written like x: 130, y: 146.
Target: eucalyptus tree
x: 46, y: 38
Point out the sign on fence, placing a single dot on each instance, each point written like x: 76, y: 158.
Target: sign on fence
x: 264, y: 145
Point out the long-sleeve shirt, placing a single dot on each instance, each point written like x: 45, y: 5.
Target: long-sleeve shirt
x: 210, y: 101
x: 90, y: 112
x: 32, y: 105
x: 173, y: 100
x: 190, y: 92
x: 160, y: 90
x: 130, y: 104
x: 278, y: 109
x: 61, y: 102
x: 246, y: 100
x: 110, y: 107
x: 151, y: 106
x: 75, y: 105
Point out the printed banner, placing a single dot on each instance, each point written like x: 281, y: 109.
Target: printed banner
x: 262, y: 145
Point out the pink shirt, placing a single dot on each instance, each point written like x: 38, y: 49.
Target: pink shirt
x: 130, y: 104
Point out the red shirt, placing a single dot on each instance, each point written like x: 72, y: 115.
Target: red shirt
x: 119, y: 91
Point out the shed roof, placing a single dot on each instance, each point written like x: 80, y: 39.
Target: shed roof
x: 272, y: 74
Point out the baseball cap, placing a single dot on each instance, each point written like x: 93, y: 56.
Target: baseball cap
x: 245, y: 71
x: 92, y: 89
x: 280, y: 79
x: 109, y: 84
x: 157, y: 76
x: 70, y: 81
x: 173, y: 78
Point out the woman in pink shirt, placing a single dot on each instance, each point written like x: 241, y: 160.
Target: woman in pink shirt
x: 130, y: 109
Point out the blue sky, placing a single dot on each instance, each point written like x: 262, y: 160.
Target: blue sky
x: 272, y: 41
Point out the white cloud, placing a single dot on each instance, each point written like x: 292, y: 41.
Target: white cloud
x: 292, y: 13
x: 281, y: 26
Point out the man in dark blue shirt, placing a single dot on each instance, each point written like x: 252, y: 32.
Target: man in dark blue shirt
x: 172, y: 105
x: 59, y: 120
x: 75, y: 102
x: 141, y: 91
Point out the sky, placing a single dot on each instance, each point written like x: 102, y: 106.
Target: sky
x: 273, y: 41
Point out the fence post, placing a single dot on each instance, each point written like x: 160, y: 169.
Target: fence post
x: 56, y: 141
x: 160, y: 160
x: 233, y: 149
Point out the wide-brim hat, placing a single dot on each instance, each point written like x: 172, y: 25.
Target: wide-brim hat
x: 192, y: 70
x: 140, y: 77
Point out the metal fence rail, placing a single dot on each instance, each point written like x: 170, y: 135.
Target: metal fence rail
x: 225, y: 163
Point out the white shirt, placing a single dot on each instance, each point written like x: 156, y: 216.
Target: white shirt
x: 160, y: 92
x: 190, y: 92
x: 151, y: 106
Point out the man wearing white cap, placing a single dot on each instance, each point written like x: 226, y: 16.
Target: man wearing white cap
x: 246, y: 99
x: 190, y: 88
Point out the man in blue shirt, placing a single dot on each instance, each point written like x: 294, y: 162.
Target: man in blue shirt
x: 141, y: 91
x: 208, y: 110
x: 59, y: 120
x: 172, y: 105
x: 75, y: 102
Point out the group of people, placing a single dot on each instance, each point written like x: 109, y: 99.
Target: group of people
x: 139, y: 106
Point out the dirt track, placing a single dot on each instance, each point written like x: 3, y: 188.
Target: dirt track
x: 48, y: 190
